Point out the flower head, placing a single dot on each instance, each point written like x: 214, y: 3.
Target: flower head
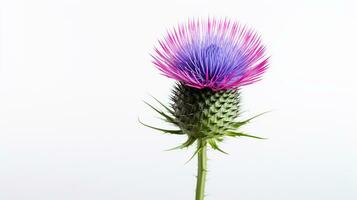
x: 215, y: 54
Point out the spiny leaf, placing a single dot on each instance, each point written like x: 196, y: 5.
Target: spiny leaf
x: 188, y: 143
x: 168, y: 118
x: 213, y: 144
x: 163, y: 105
x: 239, y: 124
x: 234, y: 134
x: 194, y: 154
x: 177, y: 132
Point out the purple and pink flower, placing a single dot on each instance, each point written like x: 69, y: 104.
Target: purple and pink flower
x: 216, y: 54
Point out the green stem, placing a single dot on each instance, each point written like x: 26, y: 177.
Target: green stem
x: 202, y: 169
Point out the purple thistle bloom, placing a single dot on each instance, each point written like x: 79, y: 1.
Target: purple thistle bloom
x: 216, y: 54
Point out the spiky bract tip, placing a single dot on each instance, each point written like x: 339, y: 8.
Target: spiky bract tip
x: 203, y: 114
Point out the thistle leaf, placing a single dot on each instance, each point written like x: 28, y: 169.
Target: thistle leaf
x: 177, y: 132
x: 239, y: 124
x: 188, y: 143
x: 163, y: 105
x: 167, y: 117
x: 194, y: 154
x: 213, y: 144
x: 235, y: 134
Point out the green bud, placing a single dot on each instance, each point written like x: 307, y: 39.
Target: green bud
x: 204, y: 113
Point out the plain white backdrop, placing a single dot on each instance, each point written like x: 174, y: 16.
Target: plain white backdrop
x: 73, y: 74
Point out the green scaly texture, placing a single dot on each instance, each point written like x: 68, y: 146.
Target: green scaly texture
x: 203, y: 114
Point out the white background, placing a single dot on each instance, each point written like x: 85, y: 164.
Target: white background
x: 73, y: 75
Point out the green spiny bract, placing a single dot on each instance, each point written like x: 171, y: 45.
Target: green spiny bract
x: 203, y: 114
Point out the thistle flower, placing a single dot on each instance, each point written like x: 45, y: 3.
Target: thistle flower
x: 211, y: 54
x: 210, y: 59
